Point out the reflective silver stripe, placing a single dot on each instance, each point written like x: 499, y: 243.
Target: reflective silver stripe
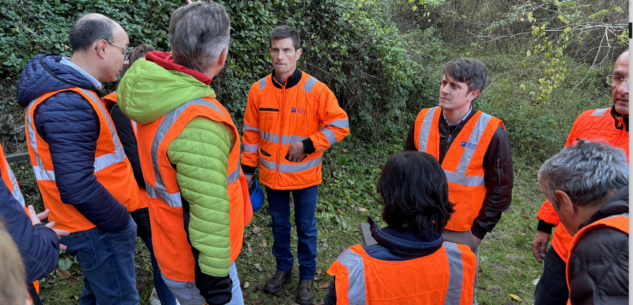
x: 135, y: 128
x: 425, y: 130
x: 456, y: 274
x: 251, y: 148
x: 600, y: 112
x: 40, y: 173
x: 339, y: 124
x: 329, y: 134
x: 160, y: 191
x: 118, y: 156
x: 16, y: 189
x: 251, y: 128
x: 262, y: 83
x: 459, y: 176
x: 270, y: 137
x: 285, y: 140
x: 290, y: 168
x: 309, y: 84
x: 356, y: 292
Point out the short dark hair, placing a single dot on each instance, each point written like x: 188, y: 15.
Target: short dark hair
x: 138, y: 52
x: 283, y: 32
x: 467, y: 70
x: 88, y: 29
x: 414, y: 192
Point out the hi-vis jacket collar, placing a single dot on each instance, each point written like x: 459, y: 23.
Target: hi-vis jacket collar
x: 292, y: 81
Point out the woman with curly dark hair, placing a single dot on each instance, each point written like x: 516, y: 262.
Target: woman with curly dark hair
x: 410, y: 264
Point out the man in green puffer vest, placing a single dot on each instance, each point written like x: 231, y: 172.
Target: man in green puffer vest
x: 189, y: 148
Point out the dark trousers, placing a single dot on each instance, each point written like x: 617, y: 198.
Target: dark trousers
x: 552, y: 287
x: 305, y: 206
x: 107, y: 261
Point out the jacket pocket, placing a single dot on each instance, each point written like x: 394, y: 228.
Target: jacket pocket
x: 269, y: 109
x: 264, y: 153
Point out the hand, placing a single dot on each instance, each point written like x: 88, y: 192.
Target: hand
x: 295, y: 152
x: 37, y: 218
x: 477, y: 240
x: 249, y: 179
x: 539, y: 245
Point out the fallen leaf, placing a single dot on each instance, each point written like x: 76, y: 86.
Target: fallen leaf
x: 66, y: 48
x: 258, y: 302
x: 345, y: 150
x: 249, y: 247
x: 264, y: 243
x: 292, y: 205
x: 516, y: 297
x: 50, y: 281
x: 480, y: 272
x: 362, y: 210
x: 349, y: 228
x: 246, y: 285
x: 535, y: 281
x: 340, y: 211
x: 324, y: 284
x: 319, y: 271
x: 63, y: 274
x: 139, y: 285
x: 483, y: 287
x: 526, y: 217
x: 257, y: 230
x: 256, y: 265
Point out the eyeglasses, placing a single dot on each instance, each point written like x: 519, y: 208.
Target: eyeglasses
x: 616, y: 80
x: 127, y: 52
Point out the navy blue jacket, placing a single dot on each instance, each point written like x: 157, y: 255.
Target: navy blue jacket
x: 38, y: 245
x: 394, y: 246
x: 70, y: 126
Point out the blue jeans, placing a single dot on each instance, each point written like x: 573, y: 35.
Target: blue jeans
x: 164, y: 295
x: 107, y: 261
x: 552, y: 287
x: 188, y: 294
x: 305, y: 206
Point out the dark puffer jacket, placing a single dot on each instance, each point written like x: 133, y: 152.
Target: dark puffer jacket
x: 599, y: 263
x: 70, y: 127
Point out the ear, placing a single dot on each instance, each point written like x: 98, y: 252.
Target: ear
x: 565, y: 205
x: 222, y: 58
x: 472, y: 95
x: 100, y: 48
x: 299, y: 52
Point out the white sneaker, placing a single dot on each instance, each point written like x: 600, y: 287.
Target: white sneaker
x: 153, y: 299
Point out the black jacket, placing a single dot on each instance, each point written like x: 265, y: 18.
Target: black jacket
x: 599, y: 263
x: 498, y: 173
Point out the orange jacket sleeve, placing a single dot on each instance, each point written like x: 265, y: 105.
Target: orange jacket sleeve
x: 250, y: 139
x: 332, y: 118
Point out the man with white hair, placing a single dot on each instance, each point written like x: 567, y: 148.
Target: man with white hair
x: 189, y: 150
x: 587, y: 184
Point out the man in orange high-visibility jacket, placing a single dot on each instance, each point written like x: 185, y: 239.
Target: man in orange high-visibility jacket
x: 79, y: 164
x: 608, y: 124
x: 291, y: 118
x: 473, y: 149
x: 596, y: 213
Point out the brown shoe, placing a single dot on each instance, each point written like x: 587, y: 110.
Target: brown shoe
x: 305, y: 296
x: 277, y: 282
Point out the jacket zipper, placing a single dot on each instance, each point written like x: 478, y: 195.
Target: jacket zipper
x: 281, y: 124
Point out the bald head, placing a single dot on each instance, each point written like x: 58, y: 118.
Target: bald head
x: 620, y: 92
x: 89, y: 29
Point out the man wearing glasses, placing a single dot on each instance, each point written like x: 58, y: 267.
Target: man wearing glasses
x: 608, y: 124
x: 81, y: 169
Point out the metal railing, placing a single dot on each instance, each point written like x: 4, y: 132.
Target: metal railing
x: 17, y: 157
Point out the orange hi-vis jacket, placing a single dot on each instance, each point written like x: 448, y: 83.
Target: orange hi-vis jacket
x: 171, y: 246
x: 111, y: 166
x: 590, y: 125
x: 142, y: 194
x: 444, y: 277
x: 277, y: 118
x: 12, y: 184
x: 463, y: 163
x: 620, y: 222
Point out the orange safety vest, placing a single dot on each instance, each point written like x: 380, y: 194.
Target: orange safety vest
x: 111, y: 166
x: 444, y: 277
x: 12, y: 184
x: 142, y: 194
x: 171, y: 245
x: 590, y: 125
x: 620, y: 222
x: 463, y: 163
x: 277, y: 118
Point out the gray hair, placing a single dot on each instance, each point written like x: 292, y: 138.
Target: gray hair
x: 89, y: 29
x: 586, y: 172
x: 198, y: 34
x: 284, y: 31
x: 467, y: 70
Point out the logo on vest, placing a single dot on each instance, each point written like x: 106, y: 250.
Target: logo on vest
x: 299, y: 111
x: 472, y: 146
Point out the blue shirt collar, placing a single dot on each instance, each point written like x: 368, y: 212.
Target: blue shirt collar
x: 460, y: 121
x: 94, y: 81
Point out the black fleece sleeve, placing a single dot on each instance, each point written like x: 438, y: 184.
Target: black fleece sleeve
x: 125, y: 131
x: 498, y: 176
x: 410, y: 144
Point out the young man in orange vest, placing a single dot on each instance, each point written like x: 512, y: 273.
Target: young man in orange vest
x: 410, y: 262
x: 290, y: 119
x: 608, y: 124
x: 189, y: 150
x: 81, y: 169
x: 587, y: 185
x: 38, y: 244
x: 473, y: 149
